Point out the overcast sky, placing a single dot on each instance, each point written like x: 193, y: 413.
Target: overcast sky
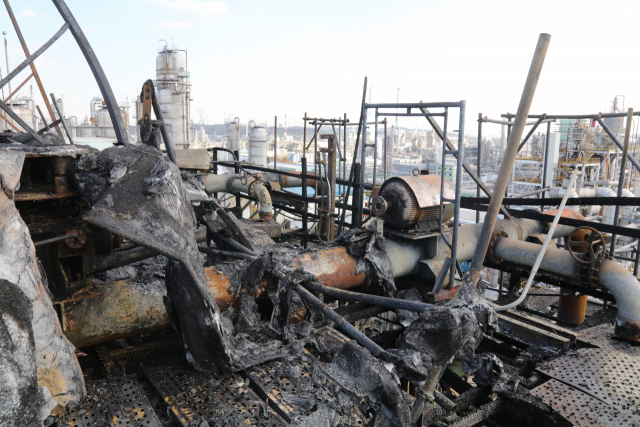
x: 262, y: 59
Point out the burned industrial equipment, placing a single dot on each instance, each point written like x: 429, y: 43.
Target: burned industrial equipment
x: 161, y: 281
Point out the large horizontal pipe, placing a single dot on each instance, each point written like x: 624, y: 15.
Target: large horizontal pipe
x: 125, y: 308
x: 613, y: 276
x: 130, y: 309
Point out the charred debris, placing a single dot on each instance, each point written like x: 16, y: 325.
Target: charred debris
x: 133, y: 293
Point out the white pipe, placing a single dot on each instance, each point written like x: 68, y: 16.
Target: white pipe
x: 94, y: 100
x: 545, y: 245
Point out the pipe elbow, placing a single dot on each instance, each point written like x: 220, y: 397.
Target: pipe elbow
x: 261, y: 193
x: 626, y: 290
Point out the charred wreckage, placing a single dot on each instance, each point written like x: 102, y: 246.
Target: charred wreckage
x: 131, y: 296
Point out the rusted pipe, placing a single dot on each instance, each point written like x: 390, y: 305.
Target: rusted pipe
x: 252, y: 185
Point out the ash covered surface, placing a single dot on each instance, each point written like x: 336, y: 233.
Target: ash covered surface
x: 22, y: 402
x: 369, y: 248
x: 137, y: 193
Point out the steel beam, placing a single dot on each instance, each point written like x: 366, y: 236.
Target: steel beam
x: 33, y: 66
x: 509, y: 156
x: 33, y: 57
x: 122, y: 134
x: 21, y: 122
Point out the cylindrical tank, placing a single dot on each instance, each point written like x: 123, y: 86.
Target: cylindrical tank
x: 174, y: 91
x: 23, y: 111
x: 105, y: 125
x: 72, y: 124
x: 616, y: 124
x: 258, y: 143
x: 233, y: 133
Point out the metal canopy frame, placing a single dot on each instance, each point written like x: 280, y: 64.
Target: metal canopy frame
x: 71, y: 24
x: 447, y: 149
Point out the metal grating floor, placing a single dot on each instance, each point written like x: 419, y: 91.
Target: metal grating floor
x: 609, y: 376
x: 194, y: 398
x: 113, y: 402
x: 580, y: 409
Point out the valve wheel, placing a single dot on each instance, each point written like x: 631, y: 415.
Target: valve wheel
x: 593, y: 245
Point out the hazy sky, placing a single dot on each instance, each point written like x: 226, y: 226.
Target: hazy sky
x: 261, y: 59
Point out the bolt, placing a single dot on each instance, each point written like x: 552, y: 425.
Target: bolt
x: 258, y: 176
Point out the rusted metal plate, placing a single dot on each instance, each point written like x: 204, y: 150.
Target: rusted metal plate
x: 610, y: 376
x: 113, y: 402
x: 195, y: 398
x: 581, y: 409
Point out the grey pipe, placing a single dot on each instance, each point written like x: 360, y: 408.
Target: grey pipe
x: 240, y: 183
x: 613, y: 276
x: 509, y: 156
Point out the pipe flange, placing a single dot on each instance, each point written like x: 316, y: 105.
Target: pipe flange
x: 589, y: 275
x: 491, y: 257
x: 256, y: 182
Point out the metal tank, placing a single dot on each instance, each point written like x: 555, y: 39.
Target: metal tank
x: 258, y: 143
x: 616, y: 124
x: 233, y: 133
x: 72, y: 124
x: 23, y: 111
x: 105, y: 125
x: 173, y: 89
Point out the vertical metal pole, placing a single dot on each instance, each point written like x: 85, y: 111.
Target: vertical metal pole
x: 456, y: 208
x: 344, y: 149
x: 316, y: 170
x: 353, y: 163
x: 304, y: 137
x: 637, y: 263
x: 331, y: 163
x: 509, y: 156
x: 479, y: 168
x: 386, y: 143
x: 215, y: 168
x: 623, y: 164
x: 363, y: 165
x: 545, y: 164
x: 375, y: 148
x: 237, y: 171
x: 304, y: 195
x: 6, y: 55
x: 64, y: 123
x: 356, y: 212
x: 275, y: 143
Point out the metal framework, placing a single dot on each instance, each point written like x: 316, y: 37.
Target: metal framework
x: 458, y: 152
